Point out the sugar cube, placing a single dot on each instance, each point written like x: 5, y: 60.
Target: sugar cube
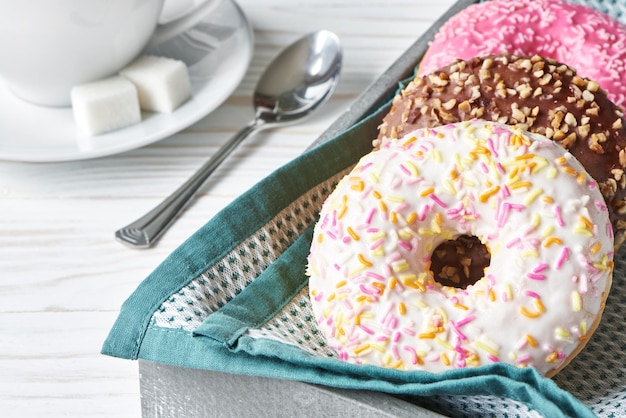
x: 162, y: 83
x: 105, y: 105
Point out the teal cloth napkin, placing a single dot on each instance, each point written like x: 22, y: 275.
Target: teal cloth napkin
x: 234, y: 298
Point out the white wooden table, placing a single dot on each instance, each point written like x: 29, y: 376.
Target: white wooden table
x: 63, y: 277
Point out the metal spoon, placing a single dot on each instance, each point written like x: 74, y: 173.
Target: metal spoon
x: 296, y: 83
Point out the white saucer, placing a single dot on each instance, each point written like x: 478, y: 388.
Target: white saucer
x: 42, y: 134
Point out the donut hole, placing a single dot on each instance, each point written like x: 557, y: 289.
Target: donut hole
x: 460, y: 262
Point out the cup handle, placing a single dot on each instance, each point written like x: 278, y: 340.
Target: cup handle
x: 167, y: 31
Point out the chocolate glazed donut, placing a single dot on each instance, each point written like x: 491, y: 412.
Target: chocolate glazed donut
x: 539, y: 95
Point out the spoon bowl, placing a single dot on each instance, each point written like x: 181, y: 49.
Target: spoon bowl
x: 297, y: 82
x: 300, y: 79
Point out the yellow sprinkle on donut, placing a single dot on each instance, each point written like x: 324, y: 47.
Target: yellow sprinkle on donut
x: 395, y: 199
x: 402, y: 308
x: 532, y: 195
x: 583, y: 231
x: 445, y: 359
x: 400, y: 266
x: 364, y: 261
x: 409, y: 141
x: 342, y: 212
x: 547, y: 231
x: 485, y: 347
x: 552, y: 357
x: 524, y: 157
x: 484, y: 196
x: 520, y: 184
x: 550, y: 241
x: 359, y: 185
x: 444, y: 343
x: 508, y: 291
x: 392, y: 282
x: 596, y: 247
x: 427, y: 192
x: 539, y: 306
x: 586, y: 222
x: 412, y: 168
x: 570, y: 170
x: 376, y: 236
x: 577, y: 302
x: 562, y: 333
x: 529, y: 314
x: 353, y: 234
x: 414, y: 285
x: 361, y: 349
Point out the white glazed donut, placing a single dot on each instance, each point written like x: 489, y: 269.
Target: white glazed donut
x: 534, y: 206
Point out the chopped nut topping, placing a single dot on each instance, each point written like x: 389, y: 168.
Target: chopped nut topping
x: 487, y: 63
x: 570, y: 119
x: 465, y: 106
x: 583, y: 130
x: 524, y: 90
x: 592, y: 86
x: 558, y: 135
x: 449, y: 104
x: 475, y: 93
x: 518, y: 115
x: 568, y: 141
x: 545, y: 79
x: 438, y: 80
x: 557, y: 119
x: 622, y: 211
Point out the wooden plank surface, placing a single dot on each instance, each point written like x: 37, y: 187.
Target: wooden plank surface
x: 64, y: 278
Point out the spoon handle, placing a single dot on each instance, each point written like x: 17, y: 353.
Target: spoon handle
x: 144, y: 231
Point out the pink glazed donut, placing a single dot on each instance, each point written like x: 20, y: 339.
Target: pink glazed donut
x: 585, y: 39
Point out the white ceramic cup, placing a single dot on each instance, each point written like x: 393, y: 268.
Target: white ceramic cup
x: 49, y: 46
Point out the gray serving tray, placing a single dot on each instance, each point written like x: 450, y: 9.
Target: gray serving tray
x: 169, y: 391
